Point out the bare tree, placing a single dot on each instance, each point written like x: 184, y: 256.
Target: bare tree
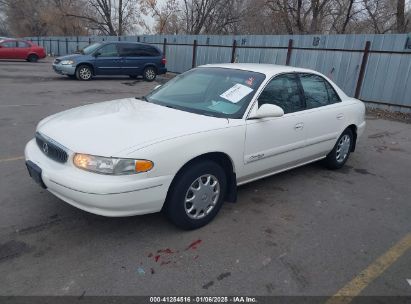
x: 110, y: 17
x: 301, y: 16
x: 211, y: 16
x: 166, y: 15
x: 401, y: 23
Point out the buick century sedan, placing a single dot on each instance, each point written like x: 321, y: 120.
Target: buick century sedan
x: 184, y: 148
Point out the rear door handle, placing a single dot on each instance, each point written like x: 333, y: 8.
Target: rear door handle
x: 299, y: 126
x: 340, y: 116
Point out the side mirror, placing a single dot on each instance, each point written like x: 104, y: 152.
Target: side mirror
x: 267, y: 110
x: 156, y: 87
x: 96, y: 54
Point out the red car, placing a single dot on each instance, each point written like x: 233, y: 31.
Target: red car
x: 20, y: 49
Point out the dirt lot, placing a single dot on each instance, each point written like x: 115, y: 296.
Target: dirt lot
x: 309, y: 231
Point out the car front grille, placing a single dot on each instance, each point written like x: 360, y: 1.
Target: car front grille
x: 51, y: 149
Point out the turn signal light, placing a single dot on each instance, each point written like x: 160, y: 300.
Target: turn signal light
x: 144, y: 165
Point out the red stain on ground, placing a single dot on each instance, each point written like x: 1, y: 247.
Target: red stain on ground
x: 194, y: 245
x: 156, y: 258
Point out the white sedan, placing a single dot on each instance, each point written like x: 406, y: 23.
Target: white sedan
x: 186, y: 146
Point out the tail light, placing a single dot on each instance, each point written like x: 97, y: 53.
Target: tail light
x: 164, y: 61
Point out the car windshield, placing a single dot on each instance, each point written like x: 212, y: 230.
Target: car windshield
x: 217, y: 92
x: 90, y: 49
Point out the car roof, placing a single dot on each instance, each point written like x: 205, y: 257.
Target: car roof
x: 267, y: 69
x: 126, y: 42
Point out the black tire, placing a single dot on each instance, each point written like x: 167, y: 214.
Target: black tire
x: 341, y: 151
x: 178, y: 210
x: 32, y: 58
x: 150, y: 74
x: 84, y: 72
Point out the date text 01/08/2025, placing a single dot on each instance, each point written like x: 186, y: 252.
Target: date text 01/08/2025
x: 203, y: 299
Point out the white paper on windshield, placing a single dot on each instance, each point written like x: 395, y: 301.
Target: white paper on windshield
x: 236, y: 93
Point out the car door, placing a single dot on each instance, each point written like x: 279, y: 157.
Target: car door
x: 108, y: 60
x: 22, y: 50
x: 325, y: 119
x: 137, y: 56
x: 272, y: 144
x: 133, y: 62
x: 7, y: 49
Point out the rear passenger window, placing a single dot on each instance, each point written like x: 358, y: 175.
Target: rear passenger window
x: 283, y: 91
x: 129, y: 50
x: 317, y: 91
x: 22, y: 44
x: 332, y: 94
x: 136, y: 50
x: 148, y: 51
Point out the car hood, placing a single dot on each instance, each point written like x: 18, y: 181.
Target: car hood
x: 69, y: 57
x: 108, y: 128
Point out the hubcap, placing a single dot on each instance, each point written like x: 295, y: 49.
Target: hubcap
x: 150, y: 74
x: 202, y: 196
x: 85, y: 73
x: 343, y: 148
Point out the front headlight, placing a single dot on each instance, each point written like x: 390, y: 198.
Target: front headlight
x: 111, y: 166
x: 67, y: 62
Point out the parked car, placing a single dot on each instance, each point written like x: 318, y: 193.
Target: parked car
x: 185, y: 147
x: 113, y: 58
x: 21, y: 49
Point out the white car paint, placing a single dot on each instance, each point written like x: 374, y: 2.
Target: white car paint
x: 170, y: 138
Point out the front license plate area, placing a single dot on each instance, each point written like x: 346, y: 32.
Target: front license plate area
x: 35, y: 173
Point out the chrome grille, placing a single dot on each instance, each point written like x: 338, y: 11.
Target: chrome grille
x: 51, y: 149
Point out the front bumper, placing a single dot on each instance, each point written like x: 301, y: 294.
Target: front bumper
x: 105, y: 195
x: 64, y: 69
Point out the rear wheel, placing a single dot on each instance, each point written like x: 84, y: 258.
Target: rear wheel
x: 150, y: 73
x: 196, y: 195
x: 84, y: 72
x: 341, y: 151
x: 32, y: 58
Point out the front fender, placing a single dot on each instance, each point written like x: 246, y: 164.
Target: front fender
x: 169, y: 156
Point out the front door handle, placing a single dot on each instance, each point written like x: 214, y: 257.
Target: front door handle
x: 340, y: 116
x: 299, y: 126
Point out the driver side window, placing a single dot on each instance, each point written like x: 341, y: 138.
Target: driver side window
x: 109, y: 50
x: 283, y: 91
x: 9, y: 44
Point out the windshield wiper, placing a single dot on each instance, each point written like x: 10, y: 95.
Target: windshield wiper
x: 142, y: 98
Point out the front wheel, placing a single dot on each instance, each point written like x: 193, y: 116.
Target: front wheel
x: 150, y: 74
x: 84, y: 72
x: 196, y: 195
x: 341, y: 151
